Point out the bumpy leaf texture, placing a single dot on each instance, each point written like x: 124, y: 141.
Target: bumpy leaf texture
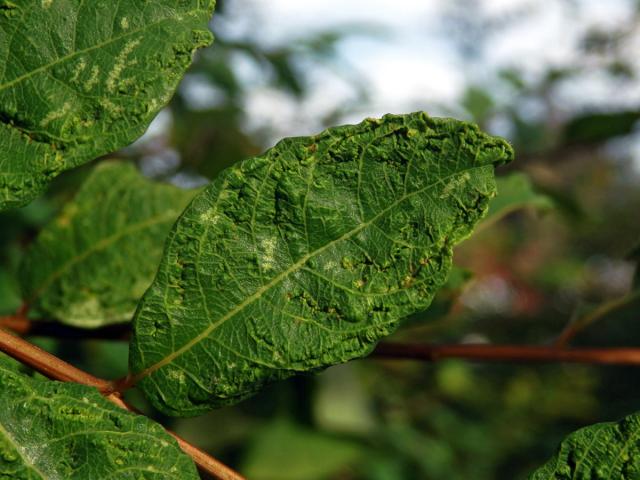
x: 81, y: 79
x: 601, y: 451
x: 91, y: 265
x: 305, y: 256
x: 52, y: 430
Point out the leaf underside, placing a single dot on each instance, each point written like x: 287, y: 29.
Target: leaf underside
x: 82, y: 79
x: 52, y: 430
x: 307, y: 255
x: 600, y: 451
x: 90, y: 265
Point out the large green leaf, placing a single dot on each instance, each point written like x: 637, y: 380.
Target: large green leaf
x: 82, y: 79
x: 52, y: 430
x: 91, y: 264
x: 601, y: 451
x: 305, y: 256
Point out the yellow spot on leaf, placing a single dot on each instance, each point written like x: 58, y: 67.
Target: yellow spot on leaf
x: 120, y: 64
x: 56, y: 114
x: 268, y: 246
x: 93, y: 79
x: 456, y: 183
x: 82, y: 64
x: 210, y: 216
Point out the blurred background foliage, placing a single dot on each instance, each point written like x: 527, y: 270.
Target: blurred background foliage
x: 560, y: 245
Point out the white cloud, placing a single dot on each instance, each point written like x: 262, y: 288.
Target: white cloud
x: 415, y: 64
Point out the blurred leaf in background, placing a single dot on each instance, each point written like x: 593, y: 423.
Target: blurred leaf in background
x: 282, y: 450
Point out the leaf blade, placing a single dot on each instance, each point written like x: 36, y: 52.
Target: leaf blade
x: 603, y: 450
x: 65, y: 430
x: 317, y: 238
x: 92, y: 263
x: 99, y: 74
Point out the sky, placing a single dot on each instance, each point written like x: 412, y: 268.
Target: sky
x: 411, y: 62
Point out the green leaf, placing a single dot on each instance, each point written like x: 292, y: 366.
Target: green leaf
x: 596, y: 127
x: 68, y: 431
x: 91, y: 264
x: 307, y: 255
x: 603, y: 450
x: 515, y: 192
x: 284, y: 451
x: 82, y: 79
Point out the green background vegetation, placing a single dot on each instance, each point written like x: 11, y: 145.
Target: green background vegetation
x: 531, y: 272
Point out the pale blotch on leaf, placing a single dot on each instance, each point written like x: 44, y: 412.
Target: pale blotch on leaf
x: 83, y: 82
x: 457, y: 183
x: 252, y: 290
x: 210, y: 216
x: 120, y: 64
x: 93, y: 78
x: 268, y: 250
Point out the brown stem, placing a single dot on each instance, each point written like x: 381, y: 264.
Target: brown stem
x: 48, y: 364
x: 508, y: 353
x: 57, y: 369
x: 389, y: 350
x: 16, y: 323
x: 206, y: 463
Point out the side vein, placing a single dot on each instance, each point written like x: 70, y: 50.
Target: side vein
x: 278, y: 278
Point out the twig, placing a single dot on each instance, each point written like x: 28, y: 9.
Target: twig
x: 556, y: 353
x: 576, y: 326
x: 57, y: 369
x: 508, y: 353
x: 48, y: 364
x: 206, y: 463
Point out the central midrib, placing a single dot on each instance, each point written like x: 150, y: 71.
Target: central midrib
x: 278, y: 278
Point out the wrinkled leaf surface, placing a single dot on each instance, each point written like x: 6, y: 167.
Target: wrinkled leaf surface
x: 605, y: 450
x: 52, y: 430
x: 81, y: 79
x: 307, y: 255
